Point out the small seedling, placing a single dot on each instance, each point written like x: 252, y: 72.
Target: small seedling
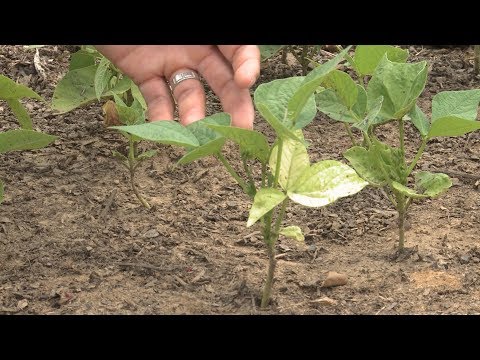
x: 392, y: 95
x: 24, y: 138
x: 283, y: 170
x: 303, y: 57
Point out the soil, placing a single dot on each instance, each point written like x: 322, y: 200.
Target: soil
x: 74, y: 239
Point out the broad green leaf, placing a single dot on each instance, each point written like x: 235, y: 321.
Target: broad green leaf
x: 343, y: 85
x: 331, y: 105
x: 81, y: 59
x: 102, y: 77
x: 77, y: 88
x: 9, y: 89
x: 365, y: 164
x: 452, y: 126
x: 21, y: 113
x: 129, y: 116
x: 275, y: 96
x: 360, y: 107
x: 294, y: 160
x: 137, y: 95
x: 431, y: 184
x: 280, y: 129
x: 147, y: 155
x: 210, y: 148
x: 367, y: 57
x: 419, y: 119
x: 391, y: 159
x: 372, y: 117
x: 400, y: 85
x: 164, y: 132
x: 119, y: 100
x: 22, y: 139
x: 267, y: 51
x: 265, y: 200
x: 1, y: 191
x: 460, y: 104
x: 293, y: 232
x: 251, y: 142
x: 303, y: 96
x: 324, y: 182
x: 407, y: 191
x: 210, y: 142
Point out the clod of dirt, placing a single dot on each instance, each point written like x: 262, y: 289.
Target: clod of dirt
x: 464, y: 259
x: 334, y: 279
x: 152, y: 233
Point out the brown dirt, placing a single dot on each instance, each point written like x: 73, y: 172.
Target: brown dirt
x: 61, y: 253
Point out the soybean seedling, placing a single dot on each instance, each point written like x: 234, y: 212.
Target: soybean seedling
x: 284, y: 171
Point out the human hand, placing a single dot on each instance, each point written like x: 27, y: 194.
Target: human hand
x: 230, y: 70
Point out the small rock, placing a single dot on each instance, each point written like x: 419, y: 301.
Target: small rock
x: 312, y: 247
x: 334, y: 279
x: 22, y: 304
x: 89, y: 248
x: 464, y: 259
x: 152, y: 233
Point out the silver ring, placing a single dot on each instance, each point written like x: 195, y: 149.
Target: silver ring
x: 182, y: 76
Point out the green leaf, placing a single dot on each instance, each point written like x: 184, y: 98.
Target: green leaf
x: 76, y: 88
x: 280, y: 129
x: 277, y: 94
x: 372, y: 115
x: 452, y: 126
x: 419, y: 119
x: 210, y: 142
x: 22, y: 139
x: 330, y: 104
x: 343, y: 85
x: 21, y: 113
x: 367, y: 57
x: 119, y: 156
x: 303, y: 96
x: 252, y: 143
x: 81, y: 59
x: 365, y: 164
x: 267, y: 51
x: 293, y: 232
x: 129, y: 116
x: 137, y: 95
x: 147, y: 155
x: 102, y: 77
x: 460, y: 104
x: 407, y: 191
x: 431, y: 184
x: 1, y: 191
x: 294, y: 161
x: 325, y: 182
x: 360, y: 107
x: 9, y: 89
x: 400, y: 85
x: 164, y: 132
x: 265, y: 200
x: 391, y: 158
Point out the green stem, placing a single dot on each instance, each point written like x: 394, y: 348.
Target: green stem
x: 264, y: 174
x: 401, y: 130
x: 232, y: 172
x: 279, y: 161
x: 270, y: 239
x: 247, y: 170
x: 131, y: 167
x: 401, y: 208
x: 350, y: 134
x: 417, y: 156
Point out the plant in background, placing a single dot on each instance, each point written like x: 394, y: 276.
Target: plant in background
x: 476, y: 49
x: 391, y: 96
x: 283, y: 170
x: 307, y: 52
x: 92, y: 77
x: 24, y: 138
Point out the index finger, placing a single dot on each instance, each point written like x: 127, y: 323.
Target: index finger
x: 245, y: 60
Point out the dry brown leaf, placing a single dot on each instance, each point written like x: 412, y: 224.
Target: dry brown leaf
x: 111, y: 115
x: 325, y: 301
x: 22, y: 304
x: 334, y: 279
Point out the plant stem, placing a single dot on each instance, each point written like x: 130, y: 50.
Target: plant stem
x: 401, y: 130
x: 401, y: 208
x: 417, y: 156
x: 279, y: 161
x: 232, y: 172
x: 304, y: 60
x: 264, y: 174
x: 350, y: 134
x: 247, y: 170
x: 131, y: 168
x: 270, y: 239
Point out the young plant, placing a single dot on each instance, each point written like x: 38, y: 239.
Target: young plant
x: 303, y: 58
x: 283, y: 170
x: 90, y: 78
x: 392, y: 95
x: 24, y: 138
